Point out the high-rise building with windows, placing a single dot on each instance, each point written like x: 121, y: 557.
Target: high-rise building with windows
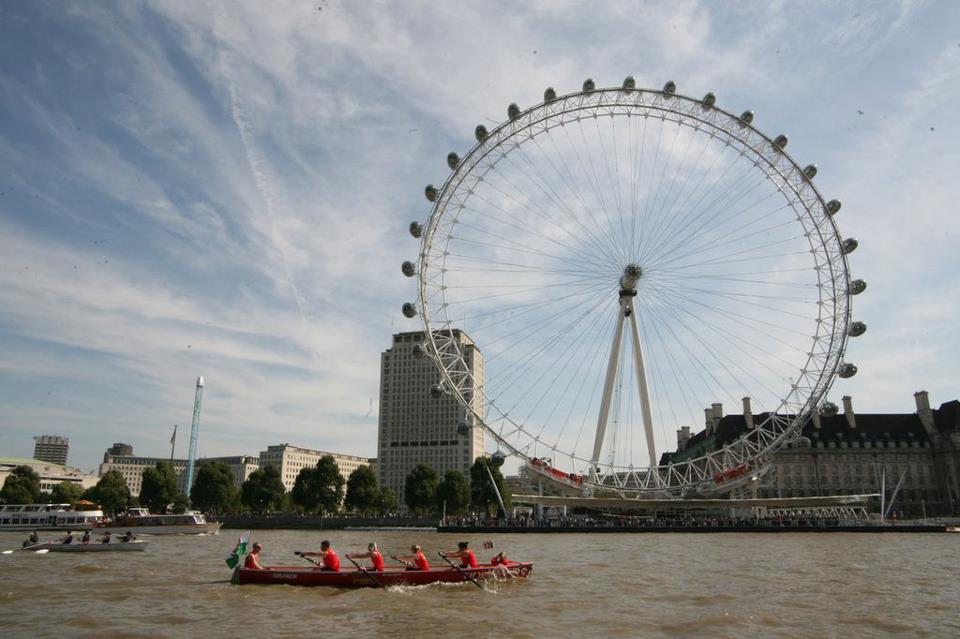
x: 416, y: 427
x: 51, y: 448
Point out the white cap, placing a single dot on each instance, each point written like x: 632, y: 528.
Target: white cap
x: 200, y: 382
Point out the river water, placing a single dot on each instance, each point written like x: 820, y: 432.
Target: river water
x: 583, y: 585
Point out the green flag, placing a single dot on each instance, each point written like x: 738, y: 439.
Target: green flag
x: 233, y: 559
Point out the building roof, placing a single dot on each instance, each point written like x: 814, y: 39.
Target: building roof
x: 869, y: 427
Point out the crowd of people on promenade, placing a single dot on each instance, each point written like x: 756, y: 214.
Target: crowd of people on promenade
x: 34, y: 538
x: 329, y: 560
x: 631, y: 521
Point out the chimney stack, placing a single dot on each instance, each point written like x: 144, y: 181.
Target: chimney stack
x: 683, y: 436
x: 816, y: 419
x: 717, y: 413
x: 708, y: 419
x: 924, y: 413
x: 848, y: 412
x: 747, y: 413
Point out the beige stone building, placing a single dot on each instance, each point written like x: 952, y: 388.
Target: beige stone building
x: 290, y: 460
x: 416, y: 427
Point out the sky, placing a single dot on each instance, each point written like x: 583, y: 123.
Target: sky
x: 224, y: 189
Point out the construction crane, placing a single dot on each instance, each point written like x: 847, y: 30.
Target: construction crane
x: 194, y: 431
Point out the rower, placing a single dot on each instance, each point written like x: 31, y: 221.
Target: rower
x: 373, y: 553
x: 501, y: 560
x: 68, y: 539
x: 252, y: 560
x: 418, y: 558
x: 106, y: 538
x: 331, y: 562
x: 128, y: 537
x: 86, y: 537
x: 32, y: 540
x: 464, y: 554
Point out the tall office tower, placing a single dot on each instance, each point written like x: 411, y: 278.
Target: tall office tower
x: 51, y: 448
x: 416, y: 427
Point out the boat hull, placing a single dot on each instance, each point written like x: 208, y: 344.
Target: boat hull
x: 172, y: 529
x: 298, y: 576
x: 131, y: 546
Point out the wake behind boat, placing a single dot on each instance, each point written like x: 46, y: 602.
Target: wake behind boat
x: 313, y: 576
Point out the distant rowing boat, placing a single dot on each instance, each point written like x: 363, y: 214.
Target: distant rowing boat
x: 120, y: 546
x: 300, y: 576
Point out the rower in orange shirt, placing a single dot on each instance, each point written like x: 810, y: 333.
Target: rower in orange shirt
x: 252, y: 560
x: 331, y: 562
x: 464, y: 554
x: 418, y: 558
x: 373, y: 553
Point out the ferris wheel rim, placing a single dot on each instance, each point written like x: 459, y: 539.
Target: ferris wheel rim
x: 768, y: 435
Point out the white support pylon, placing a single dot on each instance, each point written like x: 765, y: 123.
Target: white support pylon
x: 625, y: 310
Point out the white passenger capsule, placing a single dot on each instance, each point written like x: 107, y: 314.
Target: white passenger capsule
x: 780, y: 142
x: 810, y: 171
x: 453, y: 160
x: 416, y: 229
x: 856, y: 329
x: 480, y: 133
x: 408, y: 269
x: 589, y: 85
x: 409, y: 310
x: 708, y: 100
x: 513, y: 111
x: 833, y: 206
x: 847, y: 370
x: 549, y: 95
x: 849, y: 245
x: 857, y: 287
x: 670, y: 87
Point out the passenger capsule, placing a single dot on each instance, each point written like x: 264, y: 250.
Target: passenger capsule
x: 829, y: 409
x: 419, y: 351
x: 453, y: 160
x: 498, y: 458
x: 847, y: 370
x: 857, y: 287
x: 416, y: 229
x: 463, y: 429
x: 629, y: 84
x: 436, y: 391
x: 746, y: 117
x: 589, y: 85
x: 408, y: 269
x: 549, y: 95
x: 856, y: 329
x: 833, y: 206
x: 708, y: 100
x: 431, y: 192
x: 780, y: 142
x: 480, y: 133
x: 810, y: 171
x: 513, y: 111
x: 409, y: 309
x: 849, y: 245
x: 670, y: 87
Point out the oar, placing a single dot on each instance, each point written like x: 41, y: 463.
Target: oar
x: 31, y: 547
x: 461, y: 571
x: 303, y: 556
x: 366, y: 572
x: 402, y: 561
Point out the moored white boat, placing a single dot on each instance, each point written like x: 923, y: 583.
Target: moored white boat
x: 47, y: 517
x: 140, y: 521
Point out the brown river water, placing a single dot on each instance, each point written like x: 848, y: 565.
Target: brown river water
x: 583, y: 585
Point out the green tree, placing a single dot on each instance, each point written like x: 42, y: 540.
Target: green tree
x: 319, y: 488
x: 111, y: 492
x: 362, y: 491
x: 22, y: 486
x: 483, y: 497
x: 214, y: 490
x: 386, y: 501
x: 180, y: 504
x: 453, y: 493
x: 420, y: 489
x: 159, y: 486
x: 66, y: 492
x: 263, y: 489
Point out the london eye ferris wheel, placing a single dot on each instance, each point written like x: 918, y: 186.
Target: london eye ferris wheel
x: 625, y: 258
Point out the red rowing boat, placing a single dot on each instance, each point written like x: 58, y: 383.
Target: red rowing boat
x: 307, y: 576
